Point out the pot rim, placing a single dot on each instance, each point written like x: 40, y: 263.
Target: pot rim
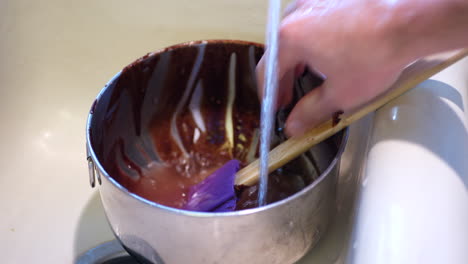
x: 91, y: 155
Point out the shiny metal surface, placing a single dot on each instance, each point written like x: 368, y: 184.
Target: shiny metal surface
x: 281, y: 232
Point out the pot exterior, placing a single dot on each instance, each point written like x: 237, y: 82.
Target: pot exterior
x: 281, y: 233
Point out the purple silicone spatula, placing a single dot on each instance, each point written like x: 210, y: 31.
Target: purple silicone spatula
x: 216, y: 192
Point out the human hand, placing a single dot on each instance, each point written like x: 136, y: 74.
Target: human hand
x: 346, y: 41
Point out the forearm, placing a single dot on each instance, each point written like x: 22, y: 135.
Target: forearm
x: 423, y: 27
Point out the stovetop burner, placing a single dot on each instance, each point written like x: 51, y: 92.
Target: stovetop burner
x: 110, y: 252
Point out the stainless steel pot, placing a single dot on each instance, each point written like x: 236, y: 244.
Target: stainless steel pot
x: 281, y: 232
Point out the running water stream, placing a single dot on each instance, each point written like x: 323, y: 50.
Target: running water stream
x: 270, y: 87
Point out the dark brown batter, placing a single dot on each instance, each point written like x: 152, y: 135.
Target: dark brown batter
x: 172, y: 118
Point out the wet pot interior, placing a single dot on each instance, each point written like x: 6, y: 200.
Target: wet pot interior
x: 193, y: 107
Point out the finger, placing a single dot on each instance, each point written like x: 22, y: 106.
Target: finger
x: 285, y: 94
x: 289, y: 61
x: 311, y: 110
x: 300, y: 69
x: 287, y: 72
x: 260, y: 72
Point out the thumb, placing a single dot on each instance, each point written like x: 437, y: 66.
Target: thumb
x: 311, y: 110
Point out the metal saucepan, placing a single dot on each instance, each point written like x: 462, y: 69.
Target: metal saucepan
x: 121, y: 144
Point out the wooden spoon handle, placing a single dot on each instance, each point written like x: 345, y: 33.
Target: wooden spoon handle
x: 295, y: 146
